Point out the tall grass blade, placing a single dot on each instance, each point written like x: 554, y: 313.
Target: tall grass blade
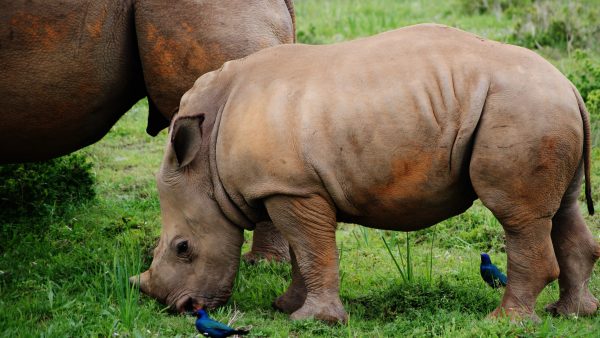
x: 365, y: 235
x: 400, y: 270
x: 409, y: 267
x: 127, y: 295
x: 431, y: 256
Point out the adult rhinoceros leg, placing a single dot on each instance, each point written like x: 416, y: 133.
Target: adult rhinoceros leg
x: 576, y: 252
x: 267, y: 243
x: 309, y: 225
x: 295, y: 296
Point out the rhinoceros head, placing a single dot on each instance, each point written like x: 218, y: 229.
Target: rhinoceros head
x: 198, y: 253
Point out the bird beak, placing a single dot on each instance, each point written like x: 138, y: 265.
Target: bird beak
x: 195, y: 311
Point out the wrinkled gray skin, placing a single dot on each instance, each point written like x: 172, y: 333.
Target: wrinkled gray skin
x: 398, y: 131
x: 70, y: 69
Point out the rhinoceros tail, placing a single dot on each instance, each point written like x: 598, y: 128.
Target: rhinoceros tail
x: 587, y: 146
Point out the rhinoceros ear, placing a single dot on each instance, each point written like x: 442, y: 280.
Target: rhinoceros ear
x: 186, y: 138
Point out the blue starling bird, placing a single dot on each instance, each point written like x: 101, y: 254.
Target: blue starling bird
x: 213, y: 329
x: 490, y: 273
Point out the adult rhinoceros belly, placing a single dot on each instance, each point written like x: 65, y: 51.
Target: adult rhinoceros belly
x: 68, y: 72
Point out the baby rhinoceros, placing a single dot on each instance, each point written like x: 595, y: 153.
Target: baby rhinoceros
x: 398, y: 131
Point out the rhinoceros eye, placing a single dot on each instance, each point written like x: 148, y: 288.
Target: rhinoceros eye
x: 182, y: 248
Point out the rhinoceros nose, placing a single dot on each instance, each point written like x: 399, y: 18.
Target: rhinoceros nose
x: 141, y: 281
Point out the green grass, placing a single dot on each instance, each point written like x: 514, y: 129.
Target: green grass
x: 66, y: 275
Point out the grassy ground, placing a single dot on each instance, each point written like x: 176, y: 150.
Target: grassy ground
x: 66, y: 275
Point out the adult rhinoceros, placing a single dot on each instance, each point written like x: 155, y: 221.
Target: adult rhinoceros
x: 397, y: 131
x: 70, y: 69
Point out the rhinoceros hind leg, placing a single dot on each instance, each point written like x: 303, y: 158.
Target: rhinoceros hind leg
x: 268, y: 244
x: 295, y: 295
x: 576, y: 252
x: 309, y: 224
x: 531, y: 266
x: 523, y: 184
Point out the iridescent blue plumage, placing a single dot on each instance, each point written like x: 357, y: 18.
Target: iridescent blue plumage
x: 213, y: 329
x: 490, y: 273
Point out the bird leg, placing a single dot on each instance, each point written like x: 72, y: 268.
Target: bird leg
x: 309, y: 225
x: 295, y: 295
x: 268, y: 244
x: 576, y: 252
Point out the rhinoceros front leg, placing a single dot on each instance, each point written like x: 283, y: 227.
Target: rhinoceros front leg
x: 295, y: 296
x: 309, y: 224
x: 267, y: 243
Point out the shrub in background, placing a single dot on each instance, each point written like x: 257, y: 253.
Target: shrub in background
x: 545, y: 23
x: 562, y: 25
x: 497, y: 7
x: 38, y: 188
x: 309, y: 36
x: 584, y: 72
x: 558, y: 24
x: 593, y: 103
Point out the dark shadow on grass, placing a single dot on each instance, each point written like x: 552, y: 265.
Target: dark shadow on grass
x: 45, y: 188
x: 414, y: 298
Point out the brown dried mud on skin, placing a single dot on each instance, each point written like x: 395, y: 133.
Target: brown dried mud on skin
x: 35, y: 30
x: 169, y: 57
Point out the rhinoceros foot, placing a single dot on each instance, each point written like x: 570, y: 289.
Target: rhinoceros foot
x: 585, y: 305
x: 514, y: 314
x: 289, y: 302
x: 328, y: 309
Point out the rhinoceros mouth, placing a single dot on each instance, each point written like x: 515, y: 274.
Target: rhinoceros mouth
x: 189, y: 303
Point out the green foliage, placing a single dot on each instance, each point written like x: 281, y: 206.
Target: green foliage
x: 557, y: 24
x: 41, y: 187
x: 584, y: 72
x: 126, y: 263
x: 407, y: 299
x: 308, y: 36
x: 593, y: 103
x: 403, y: 261
x: 497, y: 7
x: 545, y: 23
x: 476, y: 229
